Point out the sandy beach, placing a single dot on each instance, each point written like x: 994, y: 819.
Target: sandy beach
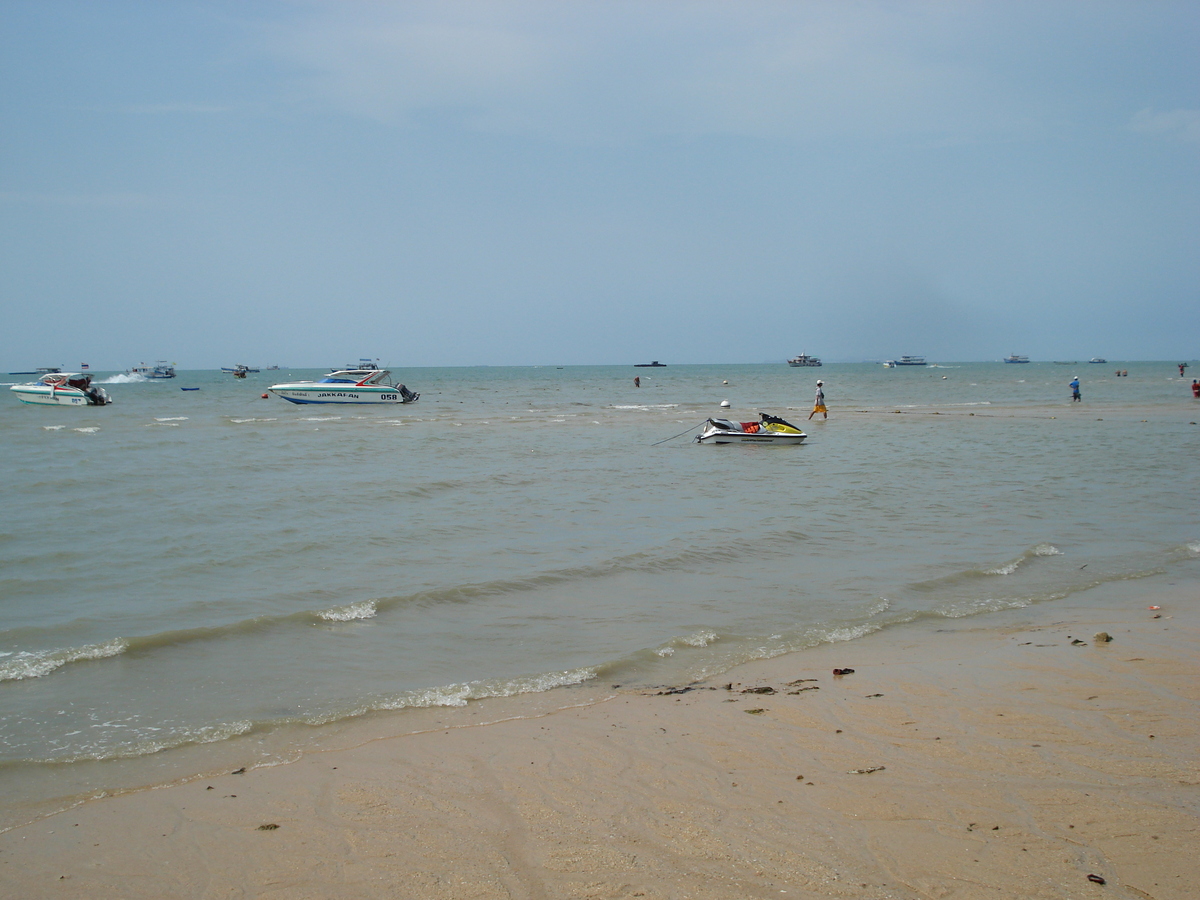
x: 1012, y: 756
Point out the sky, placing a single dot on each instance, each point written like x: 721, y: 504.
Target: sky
x: 303, y: 183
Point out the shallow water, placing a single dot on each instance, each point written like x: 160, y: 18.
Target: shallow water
x: 185, y: 567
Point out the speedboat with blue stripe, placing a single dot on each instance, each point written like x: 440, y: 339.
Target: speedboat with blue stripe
x: 364, y: 384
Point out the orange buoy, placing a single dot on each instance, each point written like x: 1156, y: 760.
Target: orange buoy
x: 264, y: 396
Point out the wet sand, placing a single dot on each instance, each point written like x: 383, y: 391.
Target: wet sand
x: 962, y: 758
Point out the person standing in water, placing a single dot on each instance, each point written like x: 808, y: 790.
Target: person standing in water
x: 819, y: 404
x: 1075, y: 390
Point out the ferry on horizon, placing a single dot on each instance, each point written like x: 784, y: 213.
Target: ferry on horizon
x: 804, y: 360
x: 1014, y: 358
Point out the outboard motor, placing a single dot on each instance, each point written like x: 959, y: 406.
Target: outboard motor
x: 408, y: 395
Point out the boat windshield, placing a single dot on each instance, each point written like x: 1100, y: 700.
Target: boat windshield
x: 356, y: 376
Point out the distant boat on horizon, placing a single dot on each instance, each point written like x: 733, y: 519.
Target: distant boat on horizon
x: 804, y: 360
x: 1014, y: 358
x: 650, y: 365
x: 1097, y: 359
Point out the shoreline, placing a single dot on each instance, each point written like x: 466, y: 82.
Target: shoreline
x: 963, y: 757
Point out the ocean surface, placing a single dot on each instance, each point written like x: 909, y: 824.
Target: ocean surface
x: 200, y: 578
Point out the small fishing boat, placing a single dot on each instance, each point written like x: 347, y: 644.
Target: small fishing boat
x: 650, y: 365
x: 1097, y: 359
x: 62, y: 389
x: 804, y: 360
x: 351, y: 385
x: 770, y: 430
x: 239, y: 371
x: 1014, y: 358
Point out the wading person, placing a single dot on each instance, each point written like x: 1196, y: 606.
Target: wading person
x: 819, y: 403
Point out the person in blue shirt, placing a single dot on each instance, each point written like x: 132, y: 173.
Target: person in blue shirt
x: 1075, y: 390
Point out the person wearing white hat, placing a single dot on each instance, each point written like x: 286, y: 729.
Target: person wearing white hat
x: 819, y: 405
x: 1075, y: 398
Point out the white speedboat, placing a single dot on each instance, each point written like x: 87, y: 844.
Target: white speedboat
x: 62, y: 389
x: 1097, y: 359
x: 361, y: 385
x: 160, y: 369
x: 911, y: 361
x: 770, y: 430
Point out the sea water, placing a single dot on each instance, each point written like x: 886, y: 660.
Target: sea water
x: 189, y: 576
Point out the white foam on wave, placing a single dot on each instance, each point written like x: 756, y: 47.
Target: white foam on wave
x: 91, y: 430
x: 206, y: 734
x: 649, y: 406
x: 171, y: 419
x: 964, y: 608
x: 1010, y: 567
x: 364, y: 609
x: 847, y: 633
x: 244, y: 421
x: 460, y: 694
x: 698, y: 639
x: 36, y: 663
x: 1193, y: 548
x: 321, y: 419
x: 53, y: 427
x: 124, y: 378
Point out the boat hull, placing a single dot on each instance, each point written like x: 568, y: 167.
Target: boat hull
x: 759, y: 437
x: 333, y: 393
x: 42, y: 395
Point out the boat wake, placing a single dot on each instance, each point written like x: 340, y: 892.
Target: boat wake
x: 124, y: 378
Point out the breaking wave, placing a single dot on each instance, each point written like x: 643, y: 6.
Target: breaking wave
x: 363, y: 610
x: 19, y: 665
x: 1033, y: 553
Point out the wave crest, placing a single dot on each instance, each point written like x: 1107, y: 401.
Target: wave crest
x: 364, y: 609
x: 36, y: 663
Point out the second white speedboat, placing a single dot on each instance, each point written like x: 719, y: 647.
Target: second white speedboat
x: 770, y: 430
x: 363, y: 385
x: 62, y: 389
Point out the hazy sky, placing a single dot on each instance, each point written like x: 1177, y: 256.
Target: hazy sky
x: 304, y: 183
